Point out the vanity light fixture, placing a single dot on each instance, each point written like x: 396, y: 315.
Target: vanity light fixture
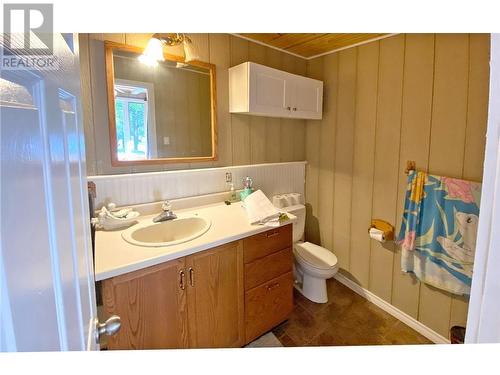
x: 152, y: 53
x: 154, y: 49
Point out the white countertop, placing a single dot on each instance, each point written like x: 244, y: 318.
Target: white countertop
x: 114, y: 256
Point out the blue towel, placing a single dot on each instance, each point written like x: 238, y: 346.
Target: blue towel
x: 439, y: 229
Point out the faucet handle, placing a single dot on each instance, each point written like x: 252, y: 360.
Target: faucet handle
x: 166, y: 206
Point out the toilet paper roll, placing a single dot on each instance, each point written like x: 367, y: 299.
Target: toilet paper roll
x: 295, y: 197
x: 279, y: 201
x: 377, y: 234
x: 288, y: 200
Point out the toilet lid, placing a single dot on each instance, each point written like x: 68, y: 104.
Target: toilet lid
x: 316, y: 256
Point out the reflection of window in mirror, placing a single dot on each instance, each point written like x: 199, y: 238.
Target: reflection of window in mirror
x: 135, y: 122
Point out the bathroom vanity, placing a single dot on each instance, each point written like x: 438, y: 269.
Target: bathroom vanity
x: 222, y: 289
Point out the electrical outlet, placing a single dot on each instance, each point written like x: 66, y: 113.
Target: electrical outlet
x: 166, y: 141
x: 229, y: 177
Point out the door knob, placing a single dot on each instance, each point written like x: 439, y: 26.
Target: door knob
x: 109, y: 328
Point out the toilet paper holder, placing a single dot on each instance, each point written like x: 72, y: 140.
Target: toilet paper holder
x: 385, y: 227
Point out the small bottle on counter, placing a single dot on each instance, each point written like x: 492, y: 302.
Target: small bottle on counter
x: 247, y: 188
x: 232, y: 196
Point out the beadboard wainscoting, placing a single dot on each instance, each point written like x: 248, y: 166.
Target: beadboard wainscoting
x: 129, y: 189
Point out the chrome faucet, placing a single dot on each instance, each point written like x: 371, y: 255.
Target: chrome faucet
x: 167, y: 213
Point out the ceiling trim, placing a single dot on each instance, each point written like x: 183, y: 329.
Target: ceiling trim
x: 318, y: 55
x: 268, y: 45
x: 352, y: 45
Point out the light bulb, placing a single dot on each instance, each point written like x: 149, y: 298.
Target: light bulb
x: 152, y: 53
x: 147, y: 60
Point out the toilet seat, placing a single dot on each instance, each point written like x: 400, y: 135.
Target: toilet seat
x: 316, y: 256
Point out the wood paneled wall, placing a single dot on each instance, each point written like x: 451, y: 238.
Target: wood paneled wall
x: 242, y: 139
x: 421, y: 97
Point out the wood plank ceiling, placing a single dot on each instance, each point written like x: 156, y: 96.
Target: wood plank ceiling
x: 308, y: 45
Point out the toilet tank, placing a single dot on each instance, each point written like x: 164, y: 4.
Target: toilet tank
x: 291, y: 203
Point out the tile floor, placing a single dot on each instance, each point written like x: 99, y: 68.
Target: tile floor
x: 268, y: 340
x: 347, y: 319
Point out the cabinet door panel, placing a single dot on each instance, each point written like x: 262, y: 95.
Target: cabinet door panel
x: 151, y: 305
x: 215, y: 297
x: 267, y: 305
x: 263, y: 244
x: 267, y: 268
x: 308, y: 98
x: 268, y: 88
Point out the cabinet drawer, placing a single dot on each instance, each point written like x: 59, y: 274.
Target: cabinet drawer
x: 262, y: 244
x: 268, y: 305
x: 264, y: 269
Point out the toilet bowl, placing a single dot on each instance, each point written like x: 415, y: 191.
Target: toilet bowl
x: 313, y: 264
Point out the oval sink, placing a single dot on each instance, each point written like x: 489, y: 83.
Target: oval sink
x: 167, y: 233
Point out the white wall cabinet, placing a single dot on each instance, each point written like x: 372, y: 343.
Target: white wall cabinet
x: 256, y: 89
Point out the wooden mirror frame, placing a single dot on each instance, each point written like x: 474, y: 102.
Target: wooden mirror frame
x: 109, y: 48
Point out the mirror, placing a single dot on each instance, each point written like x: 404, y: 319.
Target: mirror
x: 159, y: 114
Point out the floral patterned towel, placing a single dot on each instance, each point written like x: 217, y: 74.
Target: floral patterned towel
x: 438, y: 230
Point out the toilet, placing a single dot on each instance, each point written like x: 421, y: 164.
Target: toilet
x: 313, y: 264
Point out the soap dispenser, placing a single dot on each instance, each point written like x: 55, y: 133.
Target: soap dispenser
x: 232, y: 197
x: 247, y: 188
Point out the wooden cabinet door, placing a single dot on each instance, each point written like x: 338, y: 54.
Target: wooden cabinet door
x: 151, y: 305
x: 215, y: 297
x: 306, y: 97
x: 267, y: 305
x: 268, y: 91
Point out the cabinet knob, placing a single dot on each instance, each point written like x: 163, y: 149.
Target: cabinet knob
x: 272, y: 234
x: 273, y: 286
x: 288, y: 108
x: 294, y: 108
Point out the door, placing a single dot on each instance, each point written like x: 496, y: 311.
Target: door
x: 307, y: 97
x: 47, y: 280
x: 268, y: 91
x: 483, y: 320
x: 152, y: 306
x: 215, y: 297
